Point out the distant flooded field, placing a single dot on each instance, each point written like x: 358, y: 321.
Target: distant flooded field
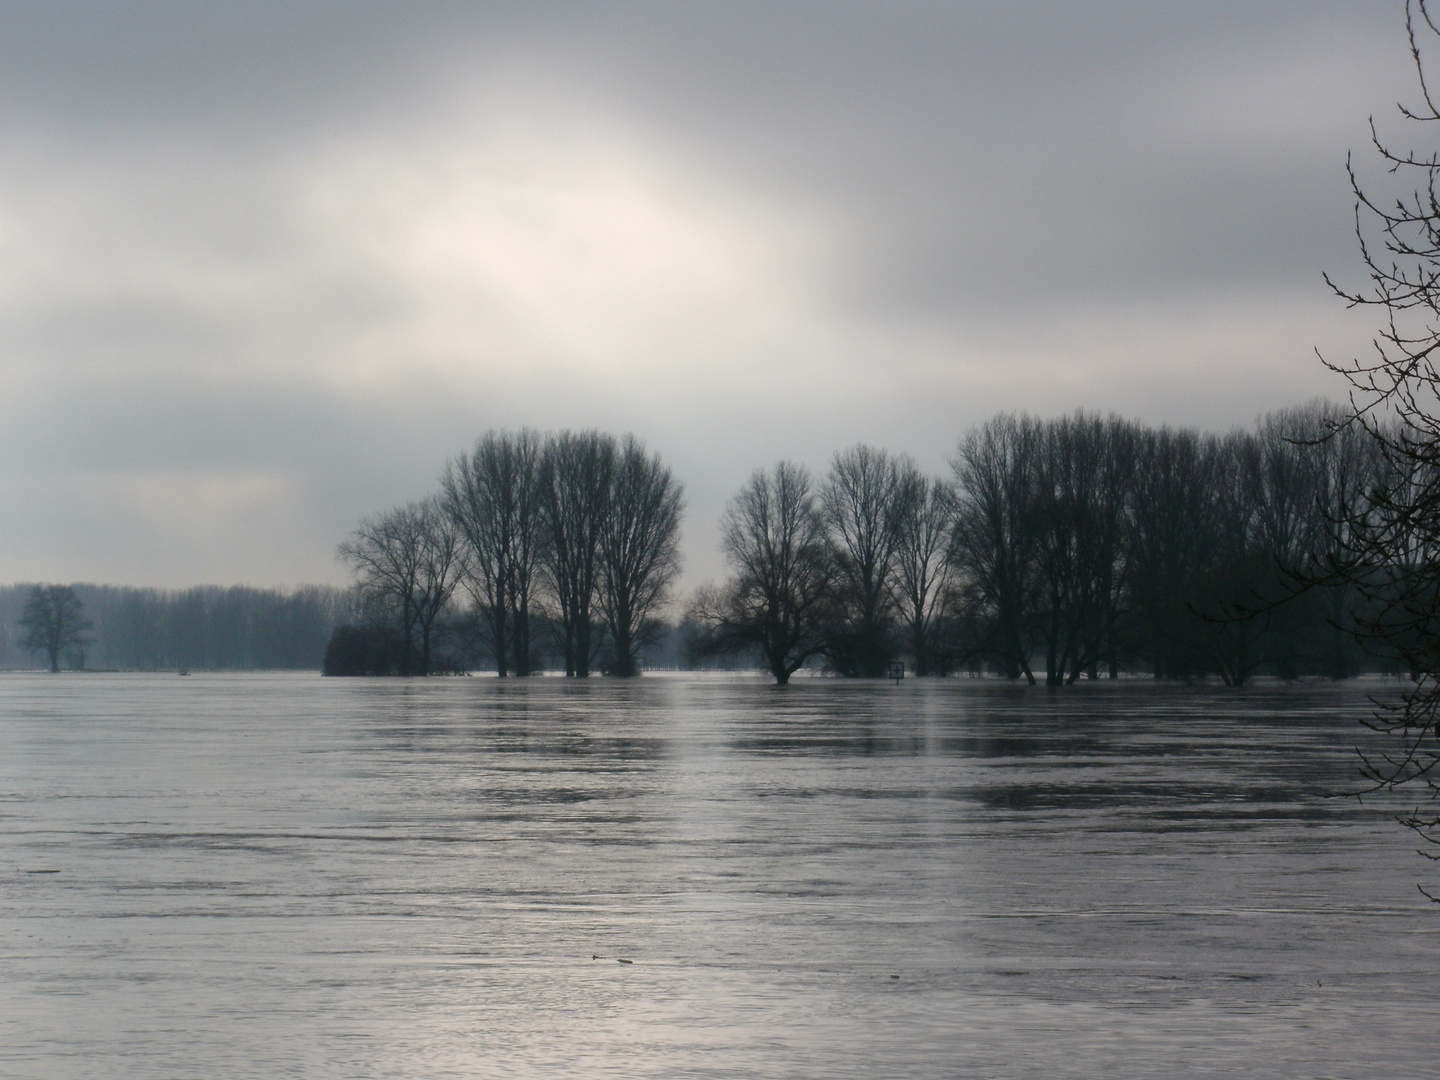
x: 262, y: 875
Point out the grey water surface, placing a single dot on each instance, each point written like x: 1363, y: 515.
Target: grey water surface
x: 281, y: 875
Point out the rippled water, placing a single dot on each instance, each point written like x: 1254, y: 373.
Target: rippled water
x: 262, y: 875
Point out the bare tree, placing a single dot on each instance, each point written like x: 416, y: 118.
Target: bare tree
x: 443, y: 565
x: 1296, y: 474
x: 1393, y: 533
x: 54, y: 622
x: 774, y: 538
x: 1257, y: 602
x: 924, y: 519
x: 859, y: 500
x: 1280, y: 471
x: 408, y: 563
x: 1174, y: 546
x: 494, y: 496
x: 575, y: 477
x: 1345, y: 466
x: 1084, y: 487
x: 995, y: 541
x: 639, y: 549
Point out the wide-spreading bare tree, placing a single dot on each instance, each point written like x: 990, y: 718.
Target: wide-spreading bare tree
x: 859, y: 501
x: 494, y: 496
x: 639, y: 549
x: 576, y: 473
x: 408, y: 563
x: 774, y: 538
x: 54, y: 622
x: 924, y: 571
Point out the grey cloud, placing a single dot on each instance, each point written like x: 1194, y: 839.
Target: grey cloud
x: 1115, y: 205
x: 977, y: 150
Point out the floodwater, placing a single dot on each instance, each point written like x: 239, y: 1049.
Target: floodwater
x: 280, y: 875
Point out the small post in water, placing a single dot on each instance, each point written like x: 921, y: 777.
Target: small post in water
x: 897, y: 671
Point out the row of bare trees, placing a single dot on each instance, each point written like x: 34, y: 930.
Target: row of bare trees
x: 578, y: 530
x: 834, y: 570
x: 1089, y: 542
x: 1059, y: 548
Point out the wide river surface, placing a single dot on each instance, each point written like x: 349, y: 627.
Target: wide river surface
x: 281, y: 875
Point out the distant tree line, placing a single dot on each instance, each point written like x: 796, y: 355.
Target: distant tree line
x: 563, y: 544
x: 206, y: 627
x: 1058, y: 549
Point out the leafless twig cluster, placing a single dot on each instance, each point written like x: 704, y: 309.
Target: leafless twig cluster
x: 1394, y: 532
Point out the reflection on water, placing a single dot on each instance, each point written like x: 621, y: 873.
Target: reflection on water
x: 229, y: 876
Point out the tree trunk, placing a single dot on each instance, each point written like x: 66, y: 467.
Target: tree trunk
x: 922, y: 661
x: 501, y: 640
x: 570, y: 648
x: 624, y: 658
x: 521, y: 620
x: 582, y: 645
x: 407, y: 646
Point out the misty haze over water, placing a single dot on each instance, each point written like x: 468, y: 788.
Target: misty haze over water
x: 240, y: 875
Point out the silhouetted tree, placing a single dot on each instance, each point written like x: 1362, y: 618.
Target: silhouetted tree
x: 1345, y: 466
x: 995, y: 536
x: 924, y: 516
x: 1091, y: 540
x: 1235, y: 594
x: 575, y: 478
x: 1175, y: 545
x: 408, y: 562
x: 1275, y: 490
x: 1393, y: 533
x: 639, y: 549
x: 494, y: 496
x: 54, y: 622
x: 860, y: 501
x: 774, y: 538
x: 1296, y: 474
x: 1082, y: 539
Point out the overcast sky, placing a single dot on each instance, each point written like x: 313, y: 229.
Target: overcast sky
x: 266, y: 265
